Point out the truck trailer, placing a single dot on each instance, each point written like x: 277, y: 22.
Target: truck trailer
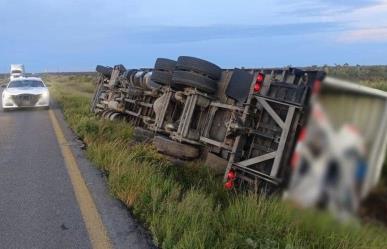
x: 246, y: 123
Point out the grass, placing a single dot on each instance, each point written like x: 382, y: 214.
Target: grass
x: 3, y: 79
x: 186, y: 207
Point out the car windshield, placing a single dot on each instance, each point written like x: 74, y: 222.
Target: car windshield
x: 16, y: 71
x: 25, y: 83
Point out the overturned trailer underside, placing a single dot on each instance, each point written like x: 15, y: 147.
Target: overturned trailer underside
x: 245, y: 121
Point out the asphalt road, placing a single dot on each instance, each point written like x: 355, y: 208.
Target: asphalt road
x: 38, y: 204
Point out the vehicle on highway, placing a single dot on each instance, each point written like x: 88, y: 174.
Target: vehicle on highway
x: 25, y: 92
x: 17, y: 71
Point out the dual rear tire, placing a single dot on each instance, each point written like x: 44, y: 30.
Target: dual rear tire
x: 163, y: 70
x: 187, y: 72
x: 196, y: 73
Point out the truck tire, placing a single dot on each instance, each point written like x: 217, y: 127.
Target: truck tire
x: 104, y: 113
x: 175, y: 149
x: 105, y: 71
x: 121, y: 68
x: 108, y: 114
x: 162, y: 77
x: 128, y: 74
x: 199, y: 66
x: 163, y: 64
x: 113, y: 116
x: 149, y: 83
x: 191, y: 79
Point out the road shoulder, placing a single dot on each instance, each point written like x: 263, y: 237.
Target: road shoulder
x: 123, y: 230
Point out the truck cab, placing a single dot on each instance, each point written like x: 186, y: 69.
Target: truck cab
x: 17, y: 71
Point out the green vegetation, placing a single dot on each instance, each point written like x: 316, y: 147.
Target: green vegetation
x: 372, y: 76
x: 186, y: 207
x: 3, y: 79
x: 358, y: 73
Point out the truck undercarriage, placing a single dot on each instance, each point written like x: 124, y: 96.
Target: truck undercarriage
x: 248, y: 119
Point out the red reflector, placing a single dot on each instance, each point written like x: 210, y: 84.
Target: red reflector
x: 316, y: 87
x: 229, y: 185
x: 257, y: 87
x: 258, y: 82
x: 231, y: 175
x: 260, y: 78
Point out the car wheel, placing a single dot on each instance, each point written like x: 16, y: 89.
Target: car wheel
x: 191, y: 79
x: 175, y: 149
x: 199, y: 66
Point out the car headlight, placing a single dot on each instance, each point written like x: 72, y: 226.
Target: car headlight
x: 45, y: 95
x: 6, y: 95
x: 7, y: 98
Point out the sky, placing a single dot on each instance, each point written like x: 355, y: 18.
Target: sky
x: 58, y: 35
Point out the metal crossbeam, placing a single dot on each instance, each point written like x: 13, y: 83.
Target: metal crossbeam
x: 281, y: 146
x: 271, y: 112
x: 258, y: 159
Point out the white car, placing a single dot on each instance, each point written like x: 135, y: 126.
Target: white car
x: 25, y: 92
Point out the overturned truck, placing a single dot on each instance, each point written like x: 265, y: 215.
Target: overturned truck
x: 246, y: 122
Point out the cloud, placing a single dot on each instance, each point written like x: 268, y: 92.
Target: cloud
x: 78, y: 34
x: 123, y: 13
x: 359, y: 21
x: 367, y: 23
x: 368, y: 16
x: 350, y: 3
x: 364, y: 35
x: 181, y: 34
